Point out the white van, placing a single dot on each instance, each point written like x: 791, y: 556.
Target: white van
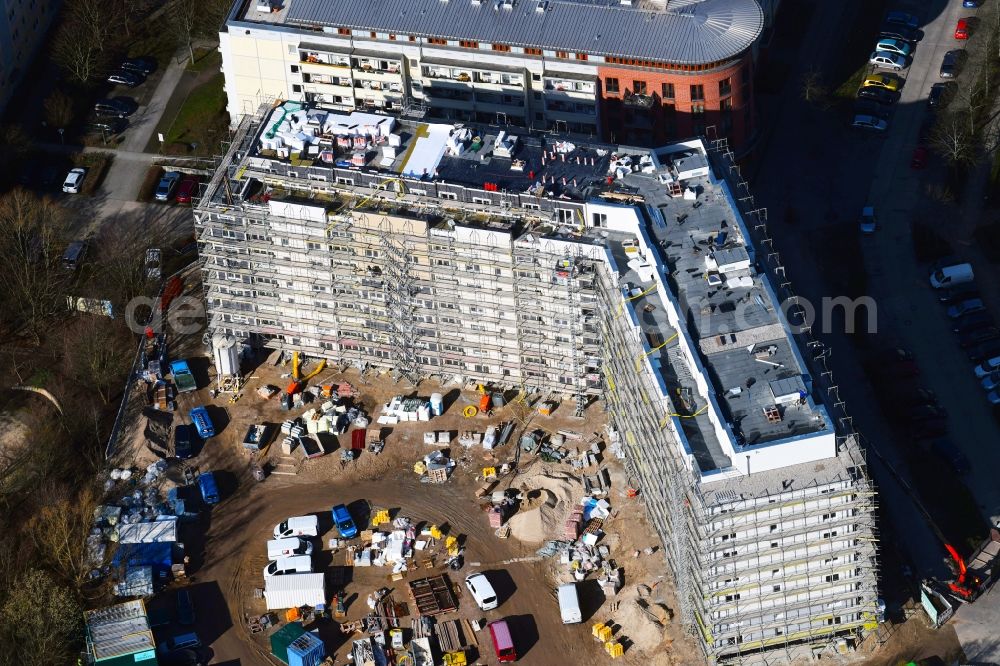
x: 289, y: 565
x: 949, y: 276
x: 307, y: 526
x: 569, y: 604
x: 288, y: 547
x: 482, y: 591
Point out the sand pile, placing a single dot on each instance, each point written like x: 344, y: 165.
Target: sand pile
x: 639, y: 626
x: 550, y: 498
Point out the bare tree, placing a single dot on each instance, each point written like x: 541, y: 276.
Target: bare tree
x: 814, y: 90
x: 59, y: 532
x: 953, y: 140
x: 32, y: 241
x: 78, y: 55
x: 53, y: 634
x: 98, y: 355
x: 58, y: 109
x: 191, y: 19
x: 122, y: 259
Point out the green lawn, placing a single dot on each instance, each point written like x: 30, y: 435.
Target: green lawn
x: 201, y: 122
x: 205, y: 59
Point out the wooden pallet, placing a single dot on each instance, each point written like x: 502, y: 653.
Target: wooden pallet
x: 450, y: 635
x: 593, y: 525
x: 433, y: 595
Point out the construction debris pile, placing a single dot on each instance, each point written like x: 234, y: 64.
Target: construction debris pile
x: 396, y: 548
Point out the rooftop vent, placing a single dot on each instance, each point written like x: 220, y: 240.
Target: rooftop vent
x: 541, y: 5
x: 508, y: 4
x: 627, y: 3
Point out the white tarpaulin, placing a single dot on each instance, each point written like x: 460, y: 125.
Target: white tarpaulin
x: 158, y: 531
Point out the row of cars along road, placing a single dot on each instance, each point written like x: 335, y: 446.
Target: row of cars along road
x: 891, y: 55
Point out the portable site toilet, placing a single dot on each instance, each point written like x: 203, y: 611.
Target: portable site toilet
x: 437, y: 404
x: 306, y: 650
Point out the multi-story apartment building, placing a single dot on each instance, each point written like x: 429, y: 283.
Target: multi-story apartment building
x: 23, y: 24
x: 586, y: 269
x: 637, y: 71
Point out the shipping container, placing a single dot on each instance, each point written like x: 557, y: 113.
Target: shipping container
x: 282, y: 638
x: 306, y: 650
x: 157, y: 531
x: 294, y: 590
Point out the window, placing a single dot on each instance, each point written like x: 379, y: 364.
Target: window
x: 829, y: 516
x: 698, y: 110
x: 373, y: 34
x: 581, y: 56
x: 832, y: 578
x: 468, y: 44
x: 667, y: 91
x: 505, y: 48
x: 611, y: 85
x: 697, y: 92
x: 343, y: 31
x: 437, y: 40
x: 528, y: 50
x: 295, y: 69
x: 296, y: 88
x: 725, y: 87
x: 726, y: 104
x: 412, y: 38
x: 562, y: 54
x: 639, y: 87
x: 392, y: 37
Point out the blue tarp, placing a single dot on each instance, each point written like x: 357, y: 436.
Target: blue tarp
x: 157, y: 555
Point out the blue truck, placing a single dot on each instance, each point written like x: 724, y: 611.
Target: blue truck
x: 345, y: 524
x: 202, y: 422
x: 183, y: 379
x: 209, y: 488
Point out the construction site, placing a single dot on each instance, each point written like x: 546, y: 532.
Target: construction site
x: 601, y: 276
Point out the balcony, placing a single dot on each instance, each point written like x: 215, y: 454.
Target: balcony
x: 325, y: 59
x: 638, y: 100
x: 569, y: 87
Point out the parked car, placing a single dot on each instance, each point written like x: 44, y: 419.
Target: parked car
x: 73, y: 256
x: 972, y: 4
x: 958, y: 294
x: 202, y: 422
x: 978, y: 336
x: 950, y: 453
x: 965, y: 307
x: 962, y: 29
x: 297, y: 526
x: 186, y: 190
x: 869, y: 123
x: 870, y: 107
x: 886, y: 60
x: 125, y: 78
x: 289, y: 565
x: 923, y: 413
x: 868, y: 222
x: 106, y: 126
x: 919, y: 158
x: 141, y: 65
x: 897, y: 46
x: 887, y: 81
x: 482, y: 592
x: 987, y: 350
x: 184, y: 441
x: 941, y: 94
x: 345, y: 524
x: 73, y: 180
x: 991, y: 381
x: 993, y: 397
x: 902, y: 18
x: 167, y: 185
x: 897, y: 31
x: 898, y: 363
x: 988, y: 366
x: 915, y: 397
x: 185, y: 607
x: 112, y: 108
x: 972, y: 321
x: 952, y: 63
x: 880, y: 95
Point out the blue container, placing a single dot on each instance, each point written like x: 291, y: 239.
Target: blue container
x: 209, y: 489
x: 306, y: 650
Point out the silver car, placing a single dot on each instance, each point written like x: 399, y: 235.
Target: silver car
x: 886, y: 60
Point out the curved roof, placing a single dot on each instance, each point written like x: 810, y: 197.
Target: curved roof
x: 685, y: 32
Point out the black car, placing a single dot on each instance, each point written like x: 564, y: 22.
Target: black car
x: 870, y: 107
x: 972, y: 321
x: 107, y: 126
x: 185, y: 607
x: 916, y: 397
x: 880, y: 95
x: 141, y: 65
x: 962, y: 292
x: 126, y: 78
x: 980, y: 353
x: 185, y: 438
x: 898, y: 31
x: 950, y: 453
x: 116, y: 107
x: 941, y: 94
x: 952, y: 63
x: 922, y: 413
x: 978, y: 336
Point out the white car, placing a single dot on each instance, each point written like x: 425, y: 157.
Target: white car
x: 862, y: 121
x: 482, y: 591
x: 289, y: 565
x: 868, y: 222
x: 896, y: 46
x: 73, y: 180
x: 887, y: 60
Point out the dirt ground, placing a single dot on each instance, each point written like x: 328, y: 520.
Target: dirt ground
x: 227, y: 550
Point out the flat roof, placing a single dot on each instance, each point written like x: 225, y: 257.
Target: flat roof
x: 122, y: 629
x: 674, y: 31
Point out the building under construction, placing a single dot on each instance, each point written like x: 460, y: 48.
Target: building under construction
x: 592, y: 271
